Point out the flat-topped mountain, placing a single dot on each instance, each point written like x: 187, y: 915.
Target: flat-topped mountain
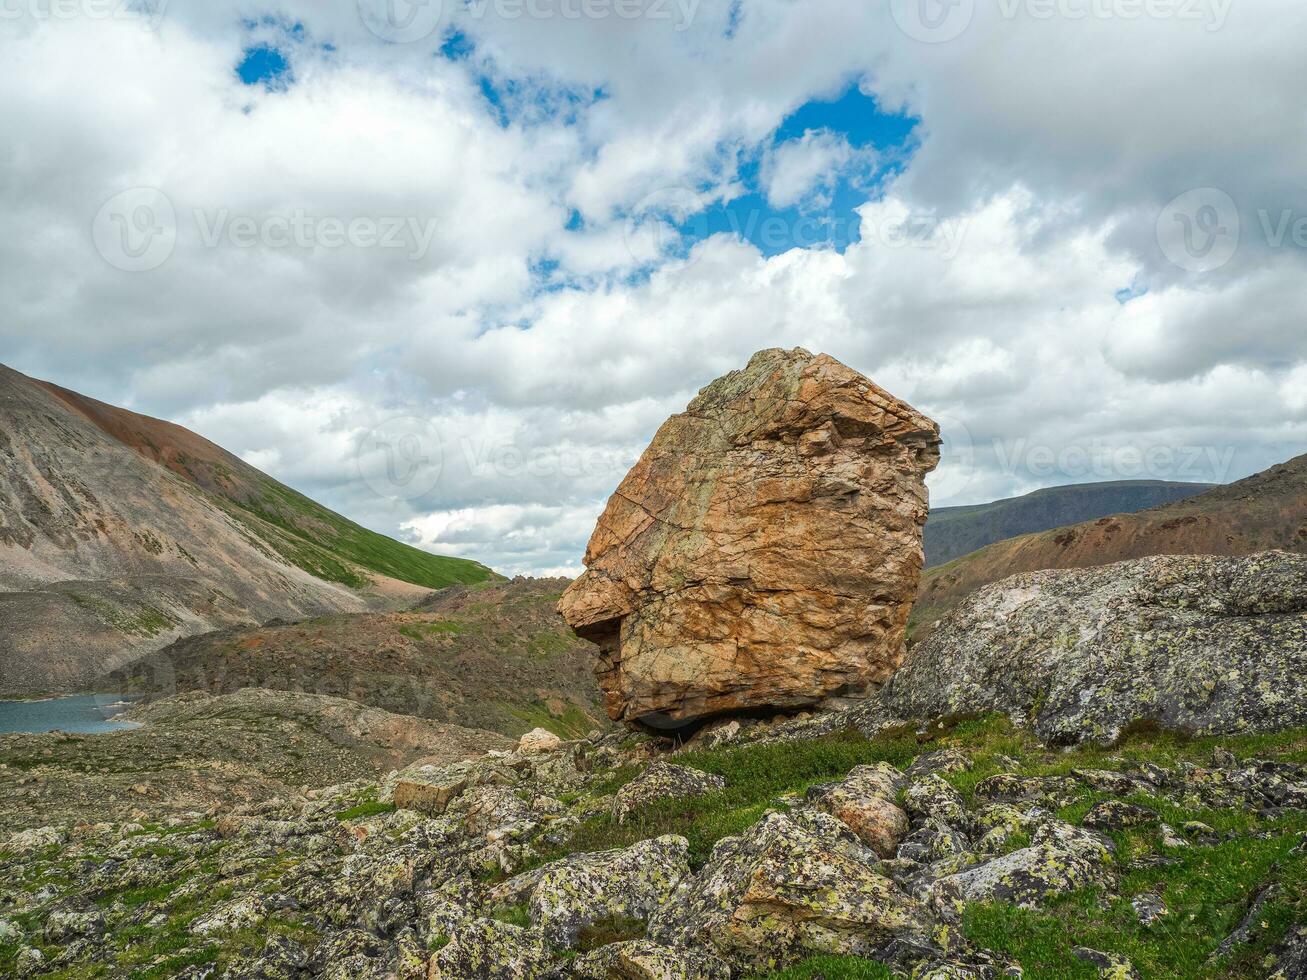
x: 120, y: 534
x: 1265, y: 512
x: 953, y: 532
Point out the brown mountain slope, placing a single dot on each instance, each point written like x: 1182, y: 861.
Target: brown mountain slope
x: 105, y: 554
x: 1264, y: 512
x: 491, y: 657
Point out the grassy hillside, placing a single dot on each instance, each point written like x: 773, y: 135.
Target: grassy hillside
x: 955, y: 531
x: 299, y: 530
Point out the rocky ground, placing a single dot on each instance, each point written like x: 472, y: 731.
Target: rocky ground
x: 970, y: 850
x: 198, y: 752
x: 493, y: 656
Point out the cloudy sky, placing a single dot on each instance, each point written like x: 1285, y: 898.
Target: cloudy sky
x: 447, y: 266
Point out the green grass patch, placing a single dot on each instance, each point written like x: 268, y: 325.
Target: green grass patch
x: 756, y: 775
x: 332, y: 547
x: 513, y: 915
x: 420, y: 632
x: 572, y: 723
x: 833, y: 968
x: 368, y: 808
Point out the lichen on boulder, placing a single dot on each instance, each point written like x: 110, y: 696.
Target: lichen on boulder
x: 1205, y: 645
x: 780, y: 892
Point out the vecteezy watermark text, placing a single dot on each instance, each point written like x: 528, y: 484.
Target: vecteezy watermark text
x: 139, y: 229
x: 148, y: 12
x: 1099, y: 460
x: 410, y: 21
x: 940, y: 21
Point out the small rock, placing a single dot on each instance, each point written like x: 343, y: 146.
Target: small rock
x: 432, y: 795
x: 1115, y: 815
x: 489, y: 950
x: 633, y: 883
x: 28, y: 841
x: 1110, y: 965
x: 940, y: 761
x: 864, y: 801
x: 662, y: 781
x: 538, y: 741
x: 1149, y: 908
x: 933, y: 797
x: 641, y: 959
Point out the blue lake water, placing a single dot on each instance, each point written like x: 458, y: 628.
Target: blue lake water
x: 85, y: 714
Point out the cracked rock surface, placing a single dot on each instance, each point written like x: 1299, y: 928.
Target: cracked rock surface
x: 764, y: 552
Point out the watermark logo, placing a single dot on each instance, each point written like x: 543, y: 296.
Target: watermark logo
x: 401, y: 459
x: 302, y: 230
x: 1199, y: 231
x: 402, y: 21
x: 933, y: 21
x: 136, y: 231
x: 149, y: 13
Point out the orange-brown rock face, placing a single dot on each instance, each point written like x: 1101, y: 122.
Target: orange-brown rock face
x: 764, y: 552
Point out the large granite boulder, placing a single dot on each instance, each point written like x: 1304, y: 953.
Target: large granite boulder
x: 1201, y: 644
x: 764, y: 552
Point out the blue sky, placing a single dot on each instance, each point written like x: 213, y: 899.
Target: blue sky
x: 552, y: 319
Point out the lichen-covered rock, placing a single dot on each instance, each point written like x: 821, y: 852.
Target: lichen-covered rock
x: 641, y: 959
x: 496, y: 811
x: 663, y: 781
x: 1054, y: 791
x: 939, y: 762
x: 1110, y: 966
x: 631, y: 883
x: 779, y: 892
x: 934, y: 798
x: 431, y: 794
x: 1149, y: 909
x: 1061, y: 858
x: 38, y: 839
x: 764, y: 552
x: 864, y: 801
x: 1207, y: 645
x: 1117, y: 815
x: 1289, y: 959
x: 489, y: 950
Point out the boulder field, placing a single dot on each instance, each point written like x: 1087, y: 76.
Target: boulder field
x: 764, y: 552
x: 605, y: 859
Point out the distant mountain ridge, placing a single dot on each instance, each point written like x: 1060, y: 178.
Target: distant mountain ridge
x: 121, y: 533
x: 1267, y: 511
x: 953, y: 532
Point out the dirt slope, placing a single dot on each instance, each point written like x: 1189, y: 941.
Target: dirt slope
x: 120, y: 534
x: 1264, y: 512
x: 491, y: 657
